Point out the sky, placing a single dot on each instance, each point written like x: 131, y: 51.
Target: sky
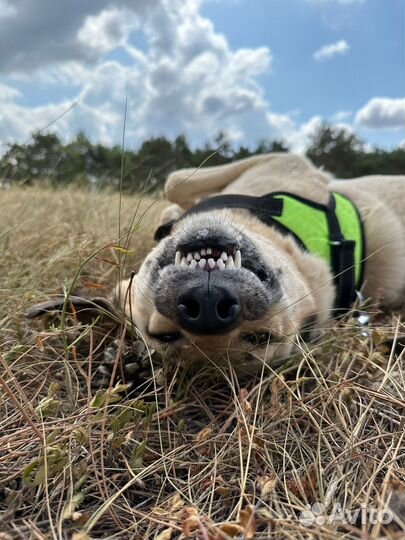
x: 252, y: 69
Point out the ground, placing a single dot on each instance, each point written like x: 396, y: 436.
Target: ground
x: 312, y: 449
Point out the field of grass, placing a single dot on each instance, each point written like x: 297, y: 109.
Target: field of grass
x: 313, y: 449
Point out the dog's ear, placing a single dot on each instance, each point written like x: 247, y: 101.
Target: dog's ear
x: 83, y: 308
x: 124, y: 295
x: 169, y: 216
x: 171, y: 213
x: 164, y: 230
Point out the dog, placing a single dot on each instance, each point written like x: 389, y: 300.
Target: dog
x: 224, y: 283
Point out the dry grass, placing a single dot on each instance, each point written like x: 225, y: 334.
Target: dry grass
x: 184, y: 455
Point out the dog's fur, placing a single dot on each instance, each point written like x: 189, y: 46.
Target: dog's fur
x: 299, y: 286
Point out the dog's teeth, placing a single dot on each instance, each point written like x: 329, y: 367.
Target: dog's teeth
x: 189, y: 257
x: 177, y: 259
x: 209, y: 251
x: 202, y: 263
x: 224, y: 256
x: 220, y: 264
x: 203, y: 252
x: 197, y: 256
x: 238, y: 259
x: 183, y: 262
x: 211, y: 263
x: 193, y: 264
x: 229, y: 263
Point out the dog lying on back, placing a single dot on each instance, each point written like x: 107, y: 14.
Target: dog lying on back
x: 224, y: 281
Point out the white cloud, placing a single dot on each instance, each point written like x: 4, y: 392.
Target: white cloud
x: 340, y: 116
x: 7, y: 93
x: 183, y: 78
x: 107, y: 30
x: 6, y: 9
x: 333, y: 49
x: 284, y: 127
x: 382, y: 113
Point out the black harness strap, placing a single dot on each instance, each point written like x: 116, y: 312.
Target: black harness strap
x: 342, y: 259
x: 263, y: 207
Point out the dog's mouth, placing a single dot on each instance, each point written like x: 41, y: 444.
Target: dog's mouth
x: 208, y: 256
x: 217, y: 254
x: 259, y: 339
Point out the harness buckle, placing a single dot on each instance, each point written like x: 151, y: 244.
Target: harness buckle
x: 361, y: 316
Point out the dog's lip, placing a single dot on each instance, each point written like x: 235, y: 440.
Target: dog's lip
x: 219, y: 244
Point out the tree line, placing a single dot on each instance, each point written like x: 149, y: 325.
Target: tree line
x: 82, y: 162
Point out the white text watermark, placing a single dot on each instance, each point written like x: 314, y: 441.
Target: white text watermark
x: 316, y: 514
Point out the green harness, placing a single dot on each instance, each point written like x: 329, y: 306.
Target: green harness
x: 334, y: 231
x: 320, y: 229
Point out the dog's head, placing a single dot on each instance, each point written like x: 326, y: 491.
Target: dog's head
x: 214, y: 288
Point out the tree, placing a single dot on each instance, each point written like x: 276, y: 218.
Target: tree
x: 337, y: 150
x: 267, y: 147
x: 343, y: 154
x: 28, y: 162
x: 45, y: 157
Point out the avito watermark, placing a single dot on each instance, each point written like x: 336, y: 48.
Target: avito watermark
x: 317, y: 515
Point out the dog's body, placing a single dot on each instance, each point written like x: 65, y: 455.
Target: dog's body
x: 276, y: 287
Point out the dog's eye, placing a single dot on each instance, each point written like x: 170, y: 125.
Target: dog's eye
x: 257, y: 339
x: 167, y: 338
x: 261, y: 274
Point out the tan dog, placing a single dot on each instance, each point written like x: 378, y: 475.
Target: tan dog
x: 257, y: 289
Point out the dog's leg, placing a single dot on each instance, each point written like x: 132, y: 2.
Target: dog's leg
x: 256, y: 175
x: 186, y: 186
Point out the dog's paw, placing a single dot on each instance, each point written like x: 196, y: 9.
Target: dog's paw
x: 130, y: 363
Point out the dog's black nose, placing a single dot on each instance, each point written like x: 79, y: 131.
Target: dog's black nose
x: 203, y: 310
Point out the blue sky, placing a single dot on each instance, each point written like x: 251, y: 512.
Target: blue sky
x: 294, y: 29
x: 252, y: 68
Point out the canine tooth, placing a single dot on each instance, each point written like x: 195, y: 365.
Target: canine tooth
x: 197, y: 256
x: 202, y: 263
x: 220, y: 264
x: 189, y: 256
x: 211, y: 263
x: 177, y: 259
x: 203, y: 252
x: 238, y: 259
x: 224, y: 256
x: 209, y: 251
x: 229, y: 263
x: 183, y: 262
x: 193, y: 264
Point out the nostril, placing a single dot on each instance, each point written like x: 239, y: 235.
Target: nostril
x: 206, y: 312
x: 192, y: 308
x: 226, y: 308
